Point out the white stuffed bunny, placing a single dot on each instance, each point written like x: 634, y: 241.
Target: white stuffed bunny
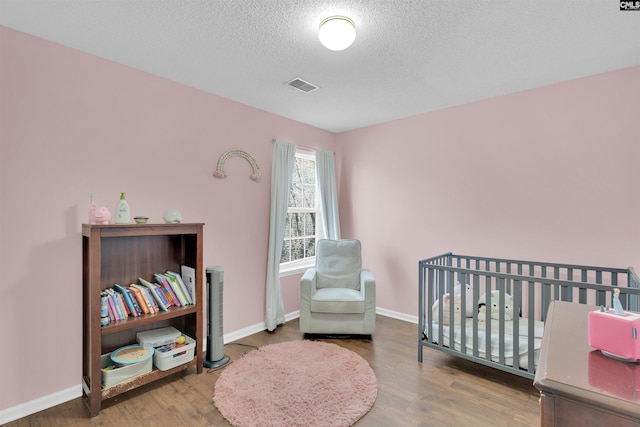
x: 495, y: 310
x: 446, y: 304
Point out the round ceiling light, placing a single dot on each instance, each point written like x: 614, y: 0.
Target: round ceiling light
x: 337, y: 32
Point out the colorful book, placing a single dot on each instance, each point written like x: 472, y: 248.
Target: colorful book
x: 155, y: 292
x: 175, y: 285
x: 104, y: 295
x: 167, y: 295
x: 104, y: 309
x: 184, y: 288
x: 158, y: 289
x: 153, y: 306
x: 140, y: 298
x: 148, y: 299
x: 164, y: 281
x: 113, y: 308
x: 128, y: 299
x: 112, y: 314
x: 115, y: 305
x: 176, y: 277
x: 124, y: 311
x: 161, y: 294
x: 134, y: 301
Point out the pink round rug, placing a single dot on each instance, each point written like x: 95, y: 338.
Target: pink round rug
x: 297, y: 383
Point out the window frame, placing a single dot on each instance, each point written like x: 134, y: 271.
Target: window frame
x: 300, y: 266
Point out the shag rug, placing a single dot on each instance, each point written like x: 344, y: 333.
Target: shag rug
x: 296, y: 383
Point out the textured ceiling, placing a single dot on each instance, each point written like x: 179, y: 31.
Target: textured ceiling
x: 409, y: 57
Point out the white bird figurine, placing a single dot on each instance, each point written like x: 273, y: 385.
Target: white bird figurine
x: 617, y: 305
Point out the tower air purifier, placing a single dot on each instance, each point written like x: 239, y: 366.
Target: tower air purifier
x: 215, y: 344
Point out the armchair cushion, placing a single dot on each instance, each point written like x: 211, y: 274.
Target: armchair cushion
x: 338, y: 264
x: 337, y: 300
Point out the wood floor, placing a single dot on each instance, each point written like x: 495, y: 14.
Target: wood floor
x: 441, y: 391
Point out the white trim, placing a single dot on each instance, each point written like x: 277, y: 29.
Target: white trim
x: 396, y: 315
x: 297, y: 267
x: 254, y: 329
x: 292, y: 315
x: 244, y: 332
x: 306, y: 152
x: 39, y: 404
x: 62, y: 396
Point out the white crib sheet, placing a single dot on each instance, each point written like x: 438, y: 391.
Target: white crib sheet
x: 523, y: 341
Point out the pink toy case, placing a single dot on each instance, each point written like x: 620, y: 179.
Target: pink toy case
x: 616, y: 334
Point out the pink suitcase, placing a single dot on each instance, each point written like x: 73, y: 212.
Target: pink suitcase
x: 616, y: 334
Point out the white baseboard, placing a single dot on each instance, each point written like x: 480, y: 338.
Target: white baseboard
x: 397, y: 315
x: 53, y: 399
x: 39, y: 404
x: 254, y: 329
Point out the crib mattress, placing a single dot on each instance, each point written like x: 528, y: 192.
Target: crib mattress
x: 522, y: 337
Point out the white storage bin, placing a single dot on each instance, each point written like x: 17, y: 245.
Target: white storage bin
x: 117, y: 375
x: 166, y: 358
x: 158, y: 337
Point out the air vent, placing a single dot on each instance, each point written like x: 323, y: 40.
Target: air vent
x: 302, y: 86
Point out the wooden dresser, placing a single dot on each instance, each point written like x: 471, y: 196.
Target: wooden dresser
x: 579, y: 386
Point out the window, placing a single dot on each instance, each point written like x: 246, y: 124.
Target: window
x: 299, y: 248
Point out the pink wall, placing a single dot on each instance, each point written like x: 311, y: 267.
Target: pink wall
x: 549, y: 174
x: 73, y: 124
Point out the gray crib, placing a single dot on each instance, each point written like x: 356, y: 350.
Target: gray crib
x: 451, y: 286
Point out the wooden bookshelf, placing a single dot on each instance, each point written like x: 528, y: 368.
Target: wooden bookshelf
x: 121, y: 254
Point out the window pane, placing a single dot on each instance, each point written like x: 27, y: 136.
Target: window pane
x: 309, y: 172
x: 296, y: 225
x: 286, y: 252
x: 309, y: 224
x: 310, y: 247
x: 309, y: 196
x: 297, y: 249
x: 295, y: 199
x: 287, y: 227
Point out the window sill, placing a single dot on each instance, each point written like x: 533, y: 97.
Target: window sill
x: 296, y: 267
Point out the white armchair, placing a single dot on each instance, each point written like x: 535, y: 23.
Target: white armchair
x: 338, y: 296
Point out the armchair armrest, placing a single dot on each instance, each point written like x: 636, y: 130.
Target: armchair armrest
x: 368, y: 288
x: 307, y: 287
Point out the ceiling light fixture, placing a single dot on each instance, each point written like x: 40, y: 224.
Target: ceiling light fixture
x: 337, y: 32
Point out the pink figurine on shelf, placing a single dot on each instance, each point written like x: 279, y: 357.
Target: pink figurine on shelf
x: 98, y: 214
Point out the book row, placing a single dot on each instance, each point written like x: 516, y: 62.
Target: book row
x: 144, y: 297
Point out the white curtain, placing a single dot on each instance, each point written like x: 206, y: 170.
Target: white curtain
x: 281, y: 176
x: 326, y: 171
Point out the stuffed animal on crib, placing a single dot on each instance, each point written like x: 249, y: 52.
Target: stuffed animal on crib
x: 495, y: 311
x: 446, y: 304
x: 99, y: 215
x: 482, y: 313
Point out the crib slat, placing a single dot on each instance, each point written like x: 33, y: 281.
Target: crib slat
x: 501, y: 315
x: 476, y: 297
x: 515, y: 335
x: 531, y: 326
x: 421, y: 309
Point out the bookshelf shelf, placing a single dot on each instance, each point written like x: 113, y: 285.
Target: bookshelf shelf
x: 121, y: 254
x: 145, y: 319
